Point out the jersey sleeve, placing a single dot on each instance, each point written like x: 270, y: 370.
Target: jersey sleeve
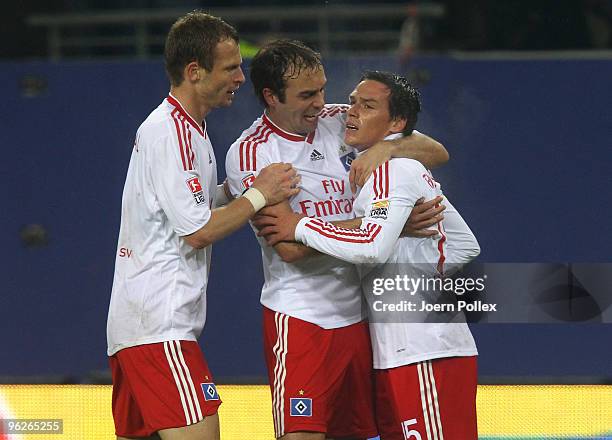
x: 178, y: 189
x: 243, y: 162
x: 461, y: 244
x: 389, y: 199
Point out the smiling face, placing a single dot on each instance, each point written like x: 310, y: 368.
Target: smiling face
x: 368, y: 120
x: 304, y: 100
x: 217, y: 87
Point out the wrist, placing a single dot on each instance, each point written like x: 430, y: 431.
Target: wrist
x: 257, y: 199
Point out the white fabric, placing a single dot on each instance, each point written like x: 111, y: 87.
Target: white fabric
x: 159, y: 285
x: 385, y: 202
x: 318, y: 289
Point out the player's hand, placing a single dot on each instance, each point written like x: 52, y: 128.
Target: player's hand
x: 277, y: 182
x: 424, y: 215
x: 277, y: 229
x: 364, y: 165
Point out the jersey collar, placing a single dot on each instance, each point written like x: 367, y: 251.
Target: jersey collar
x: 285, y: 134
x: 178, y: 106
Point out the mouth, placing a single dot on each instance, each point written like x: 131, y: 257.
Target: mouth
x: 351, y: 127
x: 311, y: 118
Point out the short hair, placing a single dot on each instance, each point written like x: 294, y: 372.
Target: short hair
x: 278, y: 61
x: 404, y: 99
x: 194, y: 37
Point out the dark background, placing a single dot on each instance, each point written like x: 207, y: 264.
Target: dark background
x: 530, y: 171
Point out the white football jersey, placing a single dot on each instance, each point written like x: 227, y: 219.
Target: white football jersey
x: 385, y: 202
x: 319, y: 289
x: 159, y: 286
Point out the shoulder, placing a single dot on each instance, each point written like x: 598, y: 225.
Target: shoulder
x: 333, y: 110
x: 156, y: 129
x: 250, y: 145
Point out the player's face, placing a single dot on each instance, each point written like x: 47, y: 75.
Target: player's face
x: 368, y: 118
x: 304, y: 100
x: 217, y: 87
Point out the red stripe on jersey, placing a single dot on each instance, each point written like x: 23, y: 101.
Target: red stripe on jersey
x: 370, y: 236
x: 374, y: 183
x: 187, y: 143
x: 257, y: 144
x: 244, y: 145
x: 251, y: 149
x: 179, y: 135
x: 441, y: 241
x: 179, y: 108
x: 387, y: 180
x: 330, y: 227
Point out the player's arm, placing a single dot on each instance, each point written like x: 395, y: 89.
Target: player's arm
x: 461, y: 244
x: 290, y: 252
x: 274, y: 183
x: 417, y: 146
x: 371, y: 243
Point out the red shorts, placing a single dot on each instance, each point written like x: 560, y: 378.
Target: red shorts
x: 429, y: 400
x: 321, y: 380
x: 160, y: 386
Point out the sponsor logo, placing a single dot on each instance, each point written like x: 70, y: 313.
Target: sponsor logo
x: 380, y: 209
x: 247, y: 181
x: 210, y: 391
x: 300, y: 407
x: 196, y: 190
x: 316, y: 155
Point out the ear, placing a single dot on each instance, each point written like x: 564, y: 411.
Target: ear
x: 397, y: 125
x: 193, y: 72
x: 270, y: 98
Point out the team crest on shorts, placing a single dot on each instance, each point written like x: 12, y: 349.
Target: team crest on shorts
x: 196, y: 190
x: 380, y: 209
x: 300, y: 407
x: 210, y: 391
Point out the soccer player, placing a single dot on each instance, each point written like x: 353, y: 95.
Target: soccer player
x: 425, y: 373
x: 316, y: 342
x: 162, y: 387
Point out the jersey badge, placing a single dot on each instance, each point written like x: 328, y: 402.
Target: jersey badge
x: 247, y: 181
x: 316, y: 155
x: 196, y: 190
x: 300, y: 407
x: 347, y: 160
x: 380, y: 209
x: 210, y: 391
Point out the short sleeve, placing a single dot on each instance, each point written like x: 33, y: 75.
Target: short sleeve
x: 179, y: 191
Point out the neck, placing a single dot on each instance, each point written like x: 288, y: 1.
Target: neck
x: 273, y: 116
x: 189, y: 100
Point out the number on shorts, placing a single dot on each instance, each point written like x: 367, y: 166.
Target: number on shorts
x: 410, y: 433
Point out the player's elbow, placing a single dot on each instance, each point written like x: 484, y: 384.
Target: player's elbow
x: 199, y: 239
x: 370, y: 254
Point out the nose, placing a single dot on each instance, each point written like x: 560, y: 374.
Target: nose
x: 319, y: 100
x: 352, y: 111
x: 240, y: 78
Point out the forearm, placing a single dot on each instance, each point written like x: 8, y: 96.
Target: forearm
x: 291, y: 252
x: 223, y: 221
x: 420, y: 147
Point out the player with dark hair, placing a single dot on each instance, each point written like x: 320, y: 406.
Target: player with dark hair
x: 425, y: 371
x: 162, y: 387
x: 317, y: 346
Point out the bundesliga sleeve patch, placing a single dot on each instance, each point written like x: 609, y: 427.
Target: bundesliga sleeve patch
x: 196, y: 190
x: 380, y: 209
x: 210, y: 391
x: 300, y: 407
x: 247, y: 181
